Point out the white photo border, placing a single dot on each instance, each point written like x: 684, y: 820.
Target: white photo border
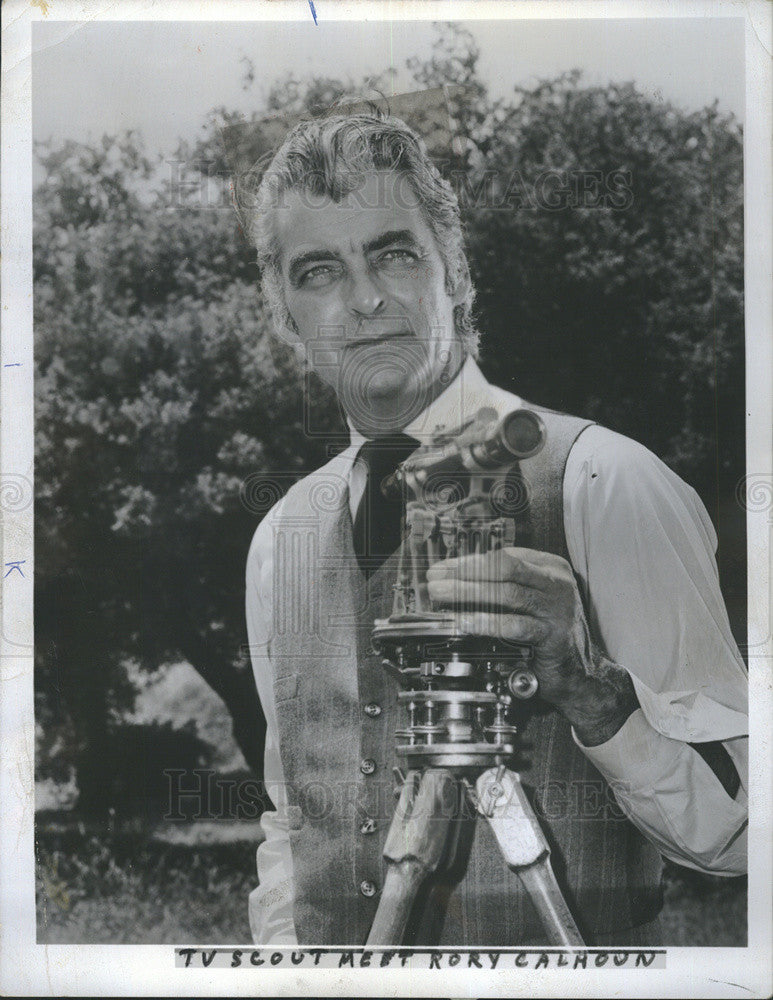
x: 27, y: 968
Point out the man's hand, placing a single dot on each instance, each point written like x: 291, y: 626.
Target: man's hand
x: 523, y: 595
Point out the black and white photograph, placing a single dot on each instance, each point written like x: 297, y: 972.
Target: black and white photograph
x: 387, y: 500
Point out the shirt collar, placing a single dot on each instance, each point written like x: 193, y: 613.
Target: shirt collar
x: 467, y: 392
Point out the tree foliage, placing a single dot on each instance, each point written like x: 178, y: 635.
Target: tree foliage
x: 158, y: 393
x: 605, y: 234
x: 621, y: 294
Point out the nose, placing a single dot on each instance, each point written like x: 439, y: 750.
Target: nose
x: 365, y: 298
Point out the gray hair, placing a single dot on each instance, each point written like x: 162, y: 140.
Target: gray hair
x: 331, y: 156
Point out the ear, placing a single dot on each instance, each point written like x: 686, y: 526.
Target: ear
x: 462, y: 284
x: 294, y: 341
x: 286, y: 330
x: 282, y: 335
x: 300, y: 351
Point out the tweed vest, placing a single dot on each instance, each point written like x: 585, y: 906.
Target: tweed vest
x: 337, y: 710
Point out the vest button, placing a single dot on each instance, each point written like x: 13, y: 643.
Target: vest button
x: 368, y: 825
x: 368, y: 766
x: 368, y: 888
x: 372, y: 709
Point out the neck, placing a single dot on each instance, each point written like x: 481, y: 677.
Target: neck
x: 390, y: 414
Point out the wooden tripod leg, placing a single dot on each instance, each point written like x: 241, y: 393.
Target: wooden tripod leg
x: 503, y: 802
x: 414, y: 847
x: 539, y: 881
x: 402, y: 883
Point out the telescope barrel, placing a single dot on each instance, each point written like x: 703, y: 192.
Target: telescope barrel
x: 518, y: 435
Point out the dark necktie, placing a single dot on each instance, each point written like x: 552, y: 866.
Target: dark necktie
x: 379, y: 519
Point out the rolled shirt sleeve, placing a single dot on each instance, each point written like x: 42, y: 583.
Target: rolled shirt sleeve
x: 271, y: 903
x: 642, y: 547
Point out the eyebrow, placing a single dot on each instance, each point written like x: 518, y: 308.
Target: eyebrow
x: 377, y: 243
x: 392, y: 236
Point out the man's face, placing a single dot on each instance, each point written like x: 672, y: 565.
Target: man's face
x: 365, y: 284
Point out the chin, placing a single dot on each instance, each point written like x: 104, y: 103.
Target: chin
x: 404, y: 393
x: 385, y: 396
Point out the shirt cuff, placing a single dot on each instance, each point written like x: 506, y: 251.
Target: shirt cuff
x: 637, y: 750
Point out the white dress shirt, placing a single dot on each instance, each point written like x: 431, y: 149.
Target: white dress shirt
x: 642, y: 548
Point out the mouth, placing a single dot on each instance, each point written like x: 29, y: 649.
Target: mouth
x: 382, y: 339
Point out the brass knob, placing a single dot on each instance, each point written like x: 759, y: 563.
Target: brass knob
x: 523, y: 684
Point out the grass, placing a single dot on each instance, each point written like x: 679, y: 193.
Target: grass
x: 102, y: 888
x: 128, y: 887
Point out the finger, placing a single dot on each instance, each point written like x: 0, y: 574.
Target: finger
x: 502, y: 564
x: 534, y: 556
x: 506, y: 627
x: 502, y: 595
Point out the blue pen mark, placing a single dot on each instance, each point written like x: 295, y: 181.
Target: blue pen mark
x: 13, y: 364
x: 313, y: 12
x: 15, y: 566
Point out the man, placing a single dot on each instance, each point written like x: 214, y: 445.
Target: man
x: 641, y: 688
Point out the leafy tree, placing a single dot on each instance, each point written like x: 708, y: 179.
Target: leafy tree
x: 159, y: 393
x: 620, y: 292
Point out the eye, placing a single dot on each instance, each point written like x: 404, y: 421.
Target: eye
x: 398, y: 256
x: 319, y: 275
